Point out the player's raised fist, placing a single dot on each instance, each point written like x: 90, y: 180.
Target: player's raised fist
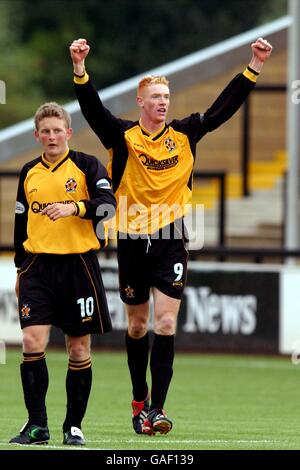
x: 79, y: 49
x: 261, y: 49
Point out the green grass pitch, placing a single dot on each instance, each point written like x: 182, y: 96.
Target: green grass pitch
x: 216, y: 402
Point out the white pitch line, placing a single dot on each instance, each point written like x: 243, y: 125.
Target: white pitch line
x: 188, y: 441
x: 45, y: 446
x: 152, y: 442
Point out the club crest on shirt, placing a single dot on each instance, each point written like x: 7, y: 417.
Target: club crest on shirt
x: 71, y: 185
x: 170, y: 145
x: 25, y: 312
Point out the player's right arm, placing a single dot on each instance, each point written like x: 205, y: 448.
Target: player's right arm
x: 21, y: 217
x: 103, y: 123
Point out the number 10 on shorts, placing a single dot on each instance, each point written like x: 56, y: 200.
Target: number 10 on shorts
x: 86, y: 306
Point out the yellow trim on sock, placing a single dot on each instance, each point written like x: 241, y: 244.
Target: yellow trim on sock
x: 34, y: 358
x: 80, y: 368
x: 80, y: 365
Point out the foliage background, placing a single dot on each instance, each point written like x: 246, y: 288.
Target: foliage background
x: 127, y: 37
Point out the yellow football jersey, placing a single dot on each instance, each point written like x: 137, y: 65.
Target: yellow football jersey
x: 74, y: 177
x: 152, y: 173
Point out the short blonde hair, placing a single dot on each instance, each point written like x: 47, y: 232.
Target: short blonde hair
x: 150, y: 80
x: 51, y: 109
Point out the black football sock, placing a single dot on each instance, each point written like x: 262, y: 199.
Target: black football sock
x: 35, y: 380
x: 137, y: 359
x: 78, y: 387
x: 161, y: 365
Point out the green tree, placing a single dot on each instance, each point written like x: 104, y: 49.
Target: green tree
x: 19, y: 66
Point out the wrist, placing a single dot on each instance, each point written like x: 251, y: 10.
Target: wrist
x: 256, y: 64
x: 76, y: 208
x: 79, y: 70
x: 252, y: 70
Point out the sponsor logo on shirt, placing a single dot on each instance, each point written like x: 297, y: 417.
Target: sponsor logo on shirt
x: 37, y: 206
x: 153, y: 164
x: 139, y: 145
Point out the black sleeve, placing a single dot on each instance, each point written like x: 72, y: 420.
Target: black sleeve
x: 99, y: 188
x: 192, y: 126
x: 227, y: 103
x: 21, y: 217
x: 100, y: 119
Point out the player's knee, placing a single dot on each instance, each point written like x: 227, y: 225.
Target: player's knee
x: 137, y: 330
x: 166, y: 325
x: 33, y: 342
x: 78, y: 349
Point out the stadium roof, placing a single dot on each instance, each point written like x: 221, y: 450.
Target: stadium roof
x: 119, y: 98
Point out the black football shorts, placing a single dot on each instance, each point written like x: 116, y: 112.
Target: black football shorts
x: 149, y: 262
x: 65, y: 291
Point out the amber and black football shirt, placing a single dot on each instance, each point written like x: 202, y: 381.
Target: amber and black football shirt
x: 74, y: 177
x: 152, y: 173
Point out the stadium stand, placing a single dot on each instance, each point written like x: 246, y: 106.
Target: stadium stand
x: 197, y: 78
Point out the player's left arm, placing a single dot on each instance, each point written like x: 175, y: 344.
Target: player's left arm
x: 236, y: 92
x: 21, y: 218
x: 58, y: 210
x: 99, y: 189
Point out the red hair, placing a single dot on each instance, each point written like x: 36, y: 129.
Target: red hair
x: 150, y: 80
